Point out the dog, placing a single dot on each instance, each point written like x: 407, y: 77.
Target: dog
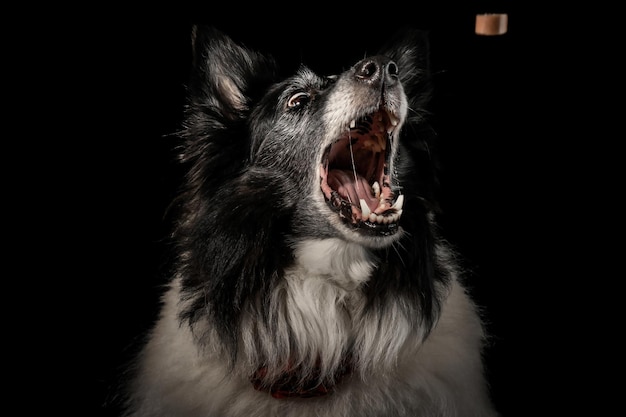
x: 309, y: 274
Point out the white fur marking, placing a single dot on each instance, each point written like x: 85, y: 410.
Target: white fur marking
x: 347, y: 264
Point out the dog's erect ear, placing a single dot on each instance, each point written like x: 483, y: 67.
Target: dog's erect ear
x: 409, y: 48
x: 224, y: 74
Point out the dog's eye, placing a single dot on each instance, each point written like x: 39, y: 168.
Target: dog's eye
x: 298, y: 100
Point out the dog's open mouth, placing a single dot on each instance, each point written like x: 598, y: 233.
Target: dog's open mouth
x: 355, y: 176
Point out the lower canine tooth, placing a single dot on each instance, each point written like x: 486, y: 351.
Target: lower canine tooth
x: 399, y: 202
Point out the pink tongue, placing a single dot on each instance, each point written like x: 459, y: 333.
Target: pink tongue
x: 351, y: 189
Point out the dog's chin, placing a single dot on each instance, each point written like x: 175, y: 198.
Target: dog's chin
x: 373, y: 241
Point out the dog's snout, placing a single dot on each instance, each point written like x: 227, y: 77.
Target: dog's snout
x: 376, y: 69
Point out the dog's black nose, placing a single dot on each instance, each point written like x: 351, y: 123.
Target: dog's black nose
x: 376, y: 69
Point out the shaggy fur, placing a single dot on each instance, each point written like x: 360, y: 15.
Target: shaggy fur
x: 310, y: 279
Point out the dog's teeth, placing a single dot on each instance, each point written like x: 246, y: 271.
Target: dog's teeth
x: 352, y: 124
x: 365, y: 210
x: 394, y: 121
x: 368, y: 215
x: 399, y: 203
x: 376, y: 189
x: 381, y: 205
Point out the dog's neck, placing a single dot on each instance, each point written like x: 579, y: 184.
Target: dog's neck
x: 320, y: 266
x: 348, y: 265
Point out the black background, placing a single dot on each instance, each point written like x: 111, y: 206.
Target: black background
x: 494, y: 147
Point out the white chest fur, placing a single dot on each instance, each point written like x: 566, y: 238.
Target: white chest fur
x: 318, y: 312
x: 347, y: 265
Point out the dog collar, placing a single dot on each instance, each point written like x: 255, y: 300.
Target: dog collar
x: 289, y: 385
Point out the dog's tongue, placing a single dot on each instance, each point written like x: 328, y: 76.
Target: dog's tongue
x: 352, y: 187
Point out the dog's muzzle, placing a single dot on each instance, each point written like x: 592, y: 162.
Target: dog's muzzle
x: 355, y: 177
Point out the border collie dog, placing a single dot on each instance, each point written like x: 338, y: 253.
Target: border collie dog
x: 309, y: 276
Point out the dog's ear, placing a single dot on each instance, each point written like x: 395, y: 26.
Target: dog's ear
x: 226, y: 75
x: 410, y: 49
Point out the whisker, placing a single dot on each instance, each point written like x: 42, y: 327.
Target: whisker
x: 394, y: 246
x: 356, y: 180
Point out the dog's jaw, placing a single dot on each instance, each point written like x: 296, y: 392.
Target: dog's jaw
x: 357, y: 181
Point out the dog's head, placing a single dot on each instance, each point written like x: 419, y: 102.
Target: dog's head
x: 324, y: 148
x: 273, y: 162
